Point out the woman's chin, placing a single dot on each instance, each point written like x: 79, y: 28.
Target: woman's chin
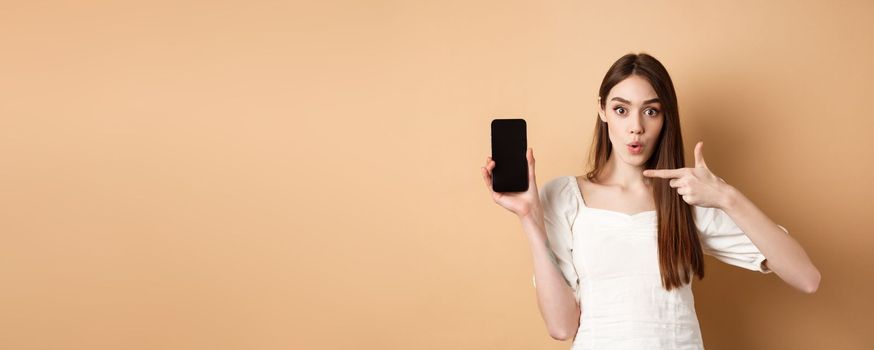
x: 634, y: 158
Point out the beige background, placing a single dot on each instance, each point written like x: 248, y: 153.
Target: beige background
x: 273, y: 175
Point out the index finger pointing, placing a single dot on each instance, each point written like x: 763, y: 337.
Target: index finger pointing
x: 663, y: 173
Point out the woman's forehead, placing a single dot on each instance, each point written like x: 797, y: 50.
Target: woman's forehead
x: 634, y: 89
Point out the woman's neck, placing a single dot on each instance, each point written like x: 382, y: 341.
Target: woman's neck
x: 623, y: 175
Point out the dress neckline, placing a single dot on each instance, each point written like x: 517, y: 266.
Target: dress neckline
x: 579, y: 192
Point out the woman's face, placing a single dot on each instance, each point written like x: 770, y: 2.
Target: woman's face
x: 633, y: 114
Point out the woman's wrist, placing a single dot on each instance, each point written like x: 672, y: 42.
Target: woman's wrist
x: 534, y: 214
x: 532, y: 224
x: 729, y: 197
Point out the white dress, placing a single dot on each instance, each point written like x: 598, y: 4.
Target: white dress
x: 610, y: 259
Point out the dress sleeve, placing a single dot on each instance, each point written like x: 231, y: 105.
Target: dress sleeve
x: 559, y: 211
x: 722, y: 239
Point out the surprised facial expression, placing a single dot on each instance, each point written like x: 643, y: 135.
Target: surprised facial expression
x: 633, y: 113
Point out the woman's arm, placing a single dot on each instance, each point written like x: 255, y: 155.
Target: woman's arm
x: 784, y: 255
x: 556, y: 300
x: 700, y: 186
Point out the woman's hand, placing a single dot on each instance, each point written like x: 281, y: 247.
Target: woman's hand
x: 698, y: 185
x: 520, y: 203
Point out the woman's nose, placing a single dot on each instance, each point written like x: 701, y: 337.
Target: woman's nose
x: 636, y: 126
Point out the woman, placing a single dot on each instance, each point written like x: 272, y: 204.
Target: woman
x: 615, y: 250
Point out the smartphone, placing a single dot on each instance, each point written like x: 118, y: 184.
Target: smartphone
x: 509, y: 148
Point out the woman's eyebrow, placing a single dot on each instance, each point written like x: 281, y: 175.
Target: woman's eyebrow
x: 652, y: 100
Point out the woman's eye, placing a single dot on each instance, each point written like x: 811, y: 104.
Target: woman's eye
x: 651, y: 112
x: 619, y: 110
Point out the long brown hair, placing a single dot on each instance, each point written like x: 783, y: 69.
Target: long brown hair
x: 680, y: 253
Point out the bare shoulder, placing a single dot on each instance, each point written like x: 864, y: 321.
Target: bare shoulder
x: 587, y: 186
x: 582, y: 181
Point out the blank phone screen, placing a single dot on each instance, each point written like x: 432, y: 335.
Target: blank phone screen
x: 509, y: 145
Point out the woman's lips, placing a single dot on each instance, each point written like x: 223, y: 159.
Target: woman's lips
x: 637, y: 149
